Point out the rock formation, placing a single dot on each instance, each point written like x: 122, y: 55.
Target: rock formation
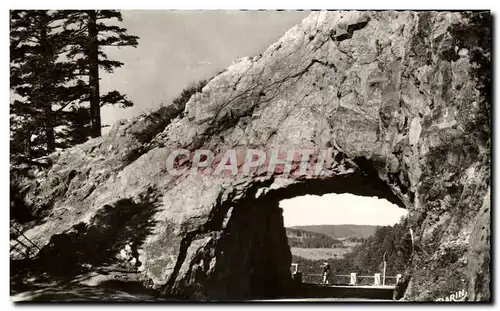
x: 400, y: 98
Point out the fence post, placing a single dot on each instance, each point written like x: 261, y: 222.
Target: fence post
x: 353, y: 279
x: 376, y: 279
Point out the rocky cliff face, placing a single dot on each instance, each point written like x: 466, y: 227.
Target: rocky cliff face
x: 400, y: 98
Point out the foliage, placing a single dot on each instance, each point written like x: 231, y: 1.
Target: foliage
x: 476, y: 37
x: 354, y: 232
x: 157, y: 121
x: 77, y: 125
x: 97, y: 243
x: 186, y: 93
x: 444, y: 178
x: 38, y: 78
x: 92, y: 30
x: 55, y: 56
x: 19, y: 210
x: 367, y: 258
x: 305, y: 239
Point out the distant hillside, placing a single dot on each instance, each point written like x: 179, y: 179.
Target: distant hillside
x: 307, y: 239
x: 320, y: 253
x: 340, y: 231
x: 365, y: 258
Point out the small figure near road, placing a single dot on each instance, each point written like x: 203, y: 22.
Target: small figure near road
x: 326, y: 273
x: 134, y: 258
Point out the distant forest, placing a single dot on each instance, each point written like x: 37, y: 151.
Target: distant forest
x: 340, y: 231
x: 367, y: 258
x: 306, y: 239
x: 328, y: 236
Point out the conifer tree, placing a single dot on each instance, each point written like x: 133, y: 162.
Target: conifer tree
x: 54, y: 77
x: 39, y: 78
x: 92, y: 31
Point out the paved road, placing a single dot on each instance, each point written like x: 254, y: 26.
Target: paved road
x: 116, y: 286
x: 327, y: 300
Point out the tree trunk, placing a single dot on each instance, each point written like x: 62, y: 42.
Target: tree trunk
x: 95, y: 108
x: 49, y: 128
x: 46, y: 98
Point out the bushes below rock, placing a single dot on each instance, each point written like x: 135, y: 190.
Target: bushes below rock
x: 98, y: 243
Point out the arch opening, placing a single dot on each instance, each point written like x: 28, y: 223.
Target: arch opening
x: 253, y: 252
x: 335, y: 235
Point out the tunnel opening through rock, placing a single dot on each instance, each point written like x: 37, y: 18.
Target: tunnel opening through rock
x: 346, y: 233
x: 253, y: 255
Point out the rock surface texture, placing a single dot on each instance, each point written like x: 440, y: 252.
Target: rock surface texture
x: 398, y: 97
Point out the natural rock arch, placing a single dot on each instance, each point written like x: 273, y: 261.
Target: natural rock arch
x: 248, y: 237
x: 393, y: 92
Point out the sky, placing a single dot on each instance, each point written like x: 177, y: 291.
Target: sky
x: 339, y: 209
x: 180, y: 47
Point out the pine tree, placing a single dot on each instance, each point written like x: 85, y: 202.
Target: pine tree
x: 38, y: 80
x: 93, y: 30
x: 55, y: 61
x: 78, y: 125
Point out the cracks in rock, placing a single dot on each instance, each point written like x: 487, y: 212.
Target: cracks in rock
x: 255, y: 89
x: 265, y: 88
x: 214, y: 223
x: 224, y: 124
x: 235, y: 85
x: 71, y: 175
x: 275, y: 131
x: 281, y: 81
x: 348, y: 33
x: 361, y: 113
x: 326, y: 64
x: 314, y: 50
x: 303, y: 71
x: 418, y: 85
x: 313, y: 61
x: 357, y: 26
x: 229, y: 102
x: 317, y: 20
x: 210, y: 226
x: 64, y: 189
x: 349, y: 57
x: 92, y: 188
